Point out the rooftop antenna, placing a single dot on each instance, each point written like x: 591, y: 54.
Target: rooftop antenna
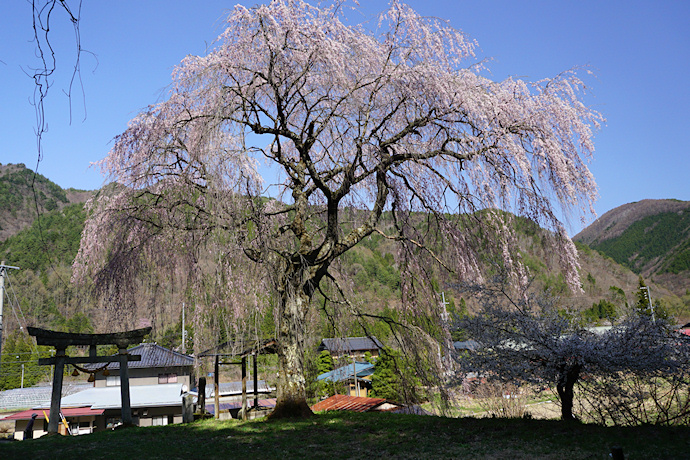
x: 3, y: 273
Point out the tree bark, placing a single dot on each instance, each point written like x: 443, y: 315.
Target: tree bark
x: 291, y: 388
x: 565, y: 388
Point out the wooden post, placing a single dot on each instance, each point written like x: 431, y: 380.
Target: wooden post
x: 244, y: 388
x: 216, y: 391
x: 256, y: 385
x: 57, y: 390
x: 124, y: 388
x: 201, y: 401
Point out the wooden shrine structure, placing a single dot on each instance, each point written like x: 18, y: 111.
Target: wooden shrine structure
x: 61, y: 340
x: 261, y: 347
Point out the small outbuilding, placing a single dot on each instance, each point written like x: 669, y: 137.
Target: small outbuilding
x: 356, y: 376
x: 351, y: 347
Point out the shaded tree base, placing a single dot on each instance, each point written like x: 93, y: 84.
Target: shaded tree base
x: 290, y: 409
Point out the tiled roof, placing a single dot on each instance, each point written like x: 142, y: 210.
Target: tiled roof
x: 25, y: 398
x: 345, y: 372
x: 350, y: 344
x: 152, y: 355
x: 353, y: 403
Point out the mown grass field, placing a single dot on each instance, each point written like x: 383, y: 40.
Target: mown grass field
x: 365, y: 436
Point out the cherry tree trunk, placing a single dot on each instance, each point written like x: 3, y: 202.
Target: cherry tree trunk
x: 291, y: 388
x: 566, y: 391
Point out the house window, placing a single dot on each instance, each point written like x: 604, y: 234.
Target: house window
x: 80, y: 427
x: 112, y: 381
x: 167, y: 378
x: 159, y: 420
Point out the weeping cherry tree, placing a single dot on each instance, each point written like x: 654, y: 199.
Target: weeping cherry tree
x: 350, y: 124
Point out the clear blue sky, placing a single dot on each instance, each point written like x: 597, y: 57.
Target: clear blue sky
x: 639, y: 52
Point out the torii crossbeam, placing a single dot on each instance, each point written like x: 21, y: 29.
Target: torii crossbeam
x: 62, y: 340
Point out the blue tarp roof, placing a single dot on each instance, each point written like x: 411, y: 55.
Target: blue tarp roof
x: 345, y: 372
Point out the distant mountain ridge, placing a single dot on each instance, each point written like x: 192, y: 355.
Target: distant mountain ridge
x: 18, y: 200
x: 45, y: 251
x: 651, y: 237
x: 614, y: 222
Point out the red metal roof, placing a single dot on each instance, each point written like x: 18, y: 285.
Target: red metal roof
x: 352, y: 403
x: 67, y: 412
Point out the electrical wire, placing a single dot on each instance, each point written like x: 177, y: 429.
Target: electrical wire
x: 16, y: 301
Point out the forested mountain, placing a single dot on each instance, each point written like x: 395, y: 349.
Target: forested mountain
x: 24, y: 194
x: 650, y: 237
x: 45, y: 248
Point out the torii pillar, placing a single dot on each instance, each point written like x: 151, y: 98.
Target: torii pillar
x: 61, y: 340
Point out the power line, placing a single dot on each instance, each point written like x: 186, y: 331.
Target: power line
x: 16, y: 302
x: 34, y: 348
x: 3, y: 273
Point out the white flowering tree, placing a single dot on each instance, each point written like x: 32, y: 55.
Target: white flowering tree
x: 337, y: 118
x: 530, y: 341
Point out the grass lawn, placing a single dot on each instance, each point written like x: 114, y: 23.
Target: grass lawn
x: 366, y: 436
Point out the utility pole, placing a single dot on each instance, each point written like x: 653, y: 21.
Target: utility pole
x: 3, y: 273
x: 354, y: 374
x: 184, y: 333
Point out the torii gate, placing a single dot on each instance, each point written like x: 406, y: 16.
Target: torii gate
x: 260, y: 347
x: 62, y: 340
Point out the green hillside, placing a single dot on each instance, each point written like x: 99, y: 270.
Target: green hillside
x: 16, y: 180
x: 24, y: 195
x: 659, y: 242
x: 372, y: 273
x: 53, y: 238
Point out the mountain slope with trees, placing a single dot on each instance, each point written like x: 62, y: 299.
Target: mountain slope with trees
x: 650, y: 237
x: 45, y: 248
x: 25, y: 194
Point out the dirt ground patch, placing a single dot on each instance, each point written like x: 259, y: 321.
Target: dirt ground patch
x: 544, y: 410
